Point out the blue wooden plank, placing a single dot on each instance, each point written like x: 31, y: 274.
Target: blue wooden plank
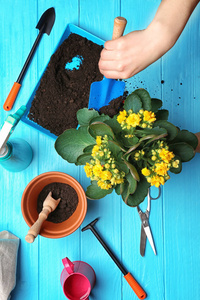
x: 181, y: 205
x: 147, y: 270
x: 174, y: 272
x: 15, y: 46
x: 51, y: 252
x: 99, y: 19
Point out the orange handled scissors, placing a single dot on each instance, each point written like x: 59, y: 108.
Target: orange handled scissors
x: 145, y: 228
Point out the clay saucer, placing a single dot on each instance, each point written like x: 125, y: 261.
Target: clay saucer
x: 29, y: 204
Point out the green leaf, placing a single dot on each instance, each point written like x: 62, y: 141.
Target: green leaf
x: 94, y: 192
x: 140, y: 193
x: 85, y: 115
x: 155, y: 131
x: 133, y: 148
x: 122, y: 167
x: 133, y: 102
x: 171, y: 129
x: 83, y: 159
x: 125, y: 192
x: 114, y: 148
x: 128, y: 142
x: 101, y: 118
x: 100, y: 129
x: 113, y: 123
x: 157, y: 137
x: 155, y: 104
x: 71, y: 143
x: 144, y: 97
x: 187, y: 137
x: 183, y: 150
x: 132, y: 183
x: 162, y: 114
x: 117, y: 189
x: 133, y: 170
x: 88, y: 149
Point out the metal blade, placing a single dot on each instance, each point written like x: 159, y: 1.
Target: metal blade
x: 150, y: 238
x: 143, y: 240
x: 46, y: 21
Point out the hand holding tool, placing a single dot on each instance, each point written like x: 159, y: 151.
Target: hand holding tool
x: 102, y: 92
x: 129, y: 278
x: 44, y: 25
x: 49, y: 205
x: 145, y: 228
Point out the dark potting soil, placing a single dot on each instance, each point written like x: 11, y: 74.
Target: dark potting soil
x: 62, y: 91
x: 114, y: 106
x: 67, y: 205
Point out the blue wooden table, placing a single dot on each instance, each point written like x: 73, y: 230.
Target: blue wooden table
x: 174, y: 272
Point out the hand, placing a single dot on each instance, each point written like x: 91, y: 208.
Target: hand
x: 124, y: 57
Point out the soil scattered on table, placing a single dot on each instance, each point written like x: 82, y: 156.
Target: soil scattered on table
x: 62, y: 91
x: 67, y: 205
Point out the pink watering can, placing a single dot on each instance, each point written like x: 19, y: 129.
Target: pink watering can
x: 77, y: 279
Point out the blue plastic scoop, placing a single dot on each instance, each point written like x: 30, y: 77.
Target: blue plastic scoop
x: 106, y: 90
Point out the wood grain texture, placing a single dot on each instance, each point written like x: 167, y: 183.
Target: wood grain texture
x: 174, y: 272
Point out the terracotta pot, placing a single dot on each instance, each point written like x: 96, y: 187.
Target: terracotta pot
x: 29, y: 205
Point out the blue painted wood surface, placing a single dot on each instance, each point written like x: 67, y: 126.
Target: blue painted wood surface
x: 174, y: 272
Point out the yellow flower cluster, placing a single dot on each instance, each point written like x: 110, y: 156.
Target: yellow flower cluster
x: 102, y: 167
x: 143, y: 118
x: 161, y: 160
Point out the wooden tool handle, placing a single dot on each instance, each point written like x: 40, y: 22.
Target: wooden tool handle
x: 119, y: 26
x: 35, y: 228
x: 135, y: 286
x: 12, y: 96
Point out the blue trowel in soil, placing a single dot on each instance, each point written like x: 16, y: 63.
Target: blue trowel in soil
x: 102, y: 92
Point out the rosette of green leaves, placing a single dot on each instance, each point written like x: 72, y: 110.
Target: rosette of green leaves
x: 75, y: 145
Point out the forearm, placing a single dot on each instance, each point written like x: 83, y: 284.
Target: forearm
x: 171, y: 18
x: 132, y: 53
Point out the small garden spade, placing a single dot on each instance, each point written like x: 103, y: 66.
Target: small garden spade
x: 44, y: 25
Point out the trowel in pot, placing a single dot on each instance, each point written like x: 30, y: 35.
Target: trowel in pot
x: 49, y: 205
x: 44, y: 25
x: 102, y: 92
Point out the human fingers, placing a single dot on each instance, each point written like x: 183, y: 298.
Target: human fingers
x: 117, y: 44
x: 111, y: 65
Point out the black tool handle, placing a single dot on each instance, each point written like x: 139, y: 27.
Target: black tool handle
x: 19, y: 79
x: 109, y: 251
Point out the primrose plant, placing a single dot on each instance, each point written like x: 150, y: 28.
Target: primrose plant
x: 129, y: 152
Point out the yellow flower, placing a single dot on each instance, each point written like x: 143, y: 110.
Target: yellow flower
x: 146, y: 172
x: 105, y: 175
x: 98, y: 140
x: 103, y: 185
x: 107, y: 166
x: 161, y: 168
x: 119, y: 180
x: 153, y: 158
x: 88, y: 170
x: 97, y: 169
x: 144, y: 125
x: 157, y: 181
x: 133, y: 120
x: 149, y: 116
x: 175, y: 164
x: 101, y: 153
x: 95, y: 149
x: 166, y: 155
x: 122, y: 116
